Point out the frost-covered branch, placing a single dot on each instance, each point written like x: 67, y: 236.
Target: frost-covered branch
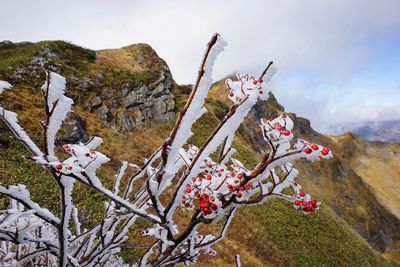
x: 22, y: 195
x: 237, y: 260
x: 57, y: 106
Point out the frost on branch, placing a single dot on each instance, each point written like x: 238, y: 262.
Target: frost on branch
x: 4, y: 86
x: 245, y: 86
x: 57, y: 108
x: 177, y: 178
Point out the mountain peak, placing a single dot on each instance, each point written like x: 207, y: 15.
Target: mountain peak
x: 134, y: 57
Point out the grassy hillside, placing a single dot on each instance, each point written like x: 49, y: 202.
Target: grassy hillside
x: 273, y: 234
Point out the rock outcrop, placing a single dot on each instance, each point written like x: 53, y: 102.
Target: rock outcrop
x: 136, y: 105
x: 73, y: 130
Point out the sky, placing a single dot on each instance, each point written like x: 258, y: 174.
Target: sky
x: 338, y: 61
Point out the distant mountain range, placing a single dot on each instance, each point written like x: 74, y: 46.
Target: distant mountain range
x: 387, y: 131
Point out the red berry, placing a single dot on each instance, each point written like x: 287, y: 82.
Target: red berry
x: 279, y: 127
x: 287, y: 133
x: 308, y: 150
x: 209, y: 177
x: 304, y: 203
x: 233, y: 188
x: 193, y: 179
x: 255, y: 82
x: 213, y: 206
x: 231, y: 94
x: 260, y: 92
x: 239, y: 194
x: 59, y: 167
x: 240, y: 176
x: 313, y: 202
x: 260, y: 80
x: 297, y: 202
x: 302, y: 194
x: 188, y: 190
x: 325, y: 151
x: 219, y: 174
x: 242, y: 188
x: 314, y: 147
x: 66, y: 147
x: 230, y: 186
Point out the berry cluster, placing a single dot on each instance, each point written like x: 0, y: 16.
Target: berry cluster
x: 313, y: 147
x: 282, y: 129
x: 81, y: 157
x: 245, y: 86
x: 212, y: 185
x: 62, y: 167
x: 207, y: 204
x: 255, y: 82
x: 305, y: 202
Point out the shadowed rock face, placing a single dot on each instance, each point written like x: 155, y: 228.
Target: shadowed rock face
x: 136, y: 105
x: 73, y: 130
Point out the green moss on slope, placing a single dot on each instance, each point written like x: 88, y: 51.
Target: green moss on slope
x: 319, y: 239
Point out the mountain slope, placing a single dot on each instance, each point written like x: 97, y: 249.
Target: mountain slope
x: 111, y: 95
